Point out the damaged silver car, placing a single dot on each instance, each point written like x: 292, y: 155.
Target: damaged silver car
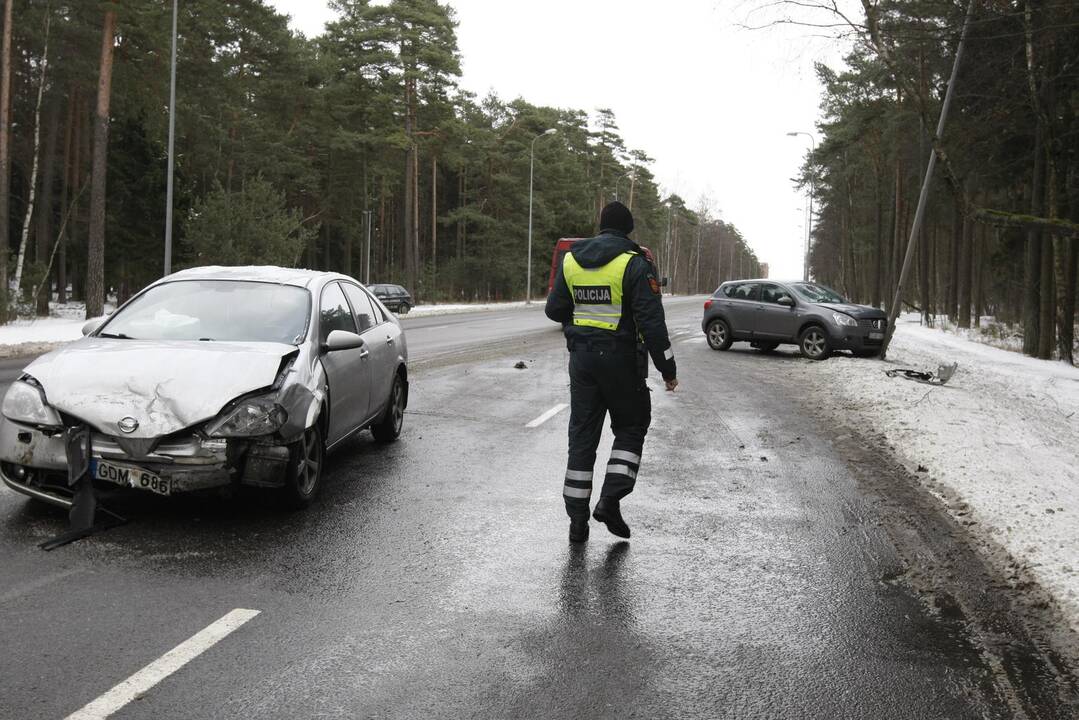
x: 210, y: 378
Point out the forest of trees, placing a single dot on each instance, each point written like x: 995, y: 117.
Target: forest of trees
x: 1003, y: 217
x: 288, y: 148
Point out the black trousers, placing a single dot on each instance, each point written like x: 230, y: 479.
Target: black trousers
x: 602, y: 382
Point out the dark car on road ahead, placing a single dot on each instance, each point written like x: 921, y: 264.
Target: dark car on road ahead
x: 767, y: 314
x: 394, y: 297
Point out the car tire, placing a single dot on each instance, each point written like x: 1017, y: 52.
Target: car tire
x: 719, y: 335
x: 389, y: 427
x: 814, y: 343
x: 404, y: 308
x: 307, y: 457
x: 766, y: 347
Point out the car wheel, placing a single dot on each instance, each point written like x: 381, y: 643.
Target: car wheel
x: 388, y: 428
x: 719, y: 335
x: 306, y: 460
x: 405, y: 307
x: 814, y: 343
x: 766, y: 347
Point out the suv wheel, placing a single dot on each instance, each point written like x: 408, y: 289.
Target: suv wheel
x: 814, y: 343
x: 719, y: 335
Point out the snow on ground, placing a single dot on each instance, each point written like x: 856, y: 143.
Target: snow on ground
x: 28, y: 336
x: 999, y: 443
x: 424, y: 310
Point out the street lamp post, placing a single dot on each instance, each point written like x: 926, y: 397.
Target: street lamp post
x: 531, y: 173
x: 809, y: 223
x: 172, y: 145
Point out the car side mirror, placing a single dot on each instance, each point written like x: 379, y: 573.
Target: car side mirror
x: 93, y: 324
x: 342, y: 340
x: 786, y: 301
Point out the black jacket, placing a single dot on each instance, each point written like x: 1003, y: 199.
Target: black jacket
x: 642, y: 308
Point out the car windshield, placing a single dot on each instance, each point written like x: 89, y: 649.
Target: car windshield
x: 222, y: 310
x: 818, y: 293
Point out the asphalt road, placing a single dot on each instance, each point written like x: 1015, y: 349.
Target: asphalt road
x: 769, y: 574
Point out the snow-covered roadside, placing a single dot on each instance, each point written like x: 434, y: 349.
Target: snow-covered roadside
x: 39, y: 335
x: 452, y: 309
x: 999, y: 444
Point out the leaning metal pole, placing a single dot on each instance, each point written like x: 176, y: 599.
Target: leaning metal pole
x: 172, y: 145
x: 919, y: 214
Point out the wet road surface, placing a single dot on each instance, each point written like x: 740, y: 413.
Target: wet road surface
x: 432, y: 578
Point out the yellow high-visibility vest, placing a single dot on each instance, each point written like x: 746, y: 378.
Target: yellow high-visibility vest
x: 596, y: 292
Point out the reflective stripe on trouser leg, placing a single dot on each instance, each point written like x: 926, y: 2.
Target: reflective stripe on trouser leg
x: 577, y: 492
x: 622, y: 470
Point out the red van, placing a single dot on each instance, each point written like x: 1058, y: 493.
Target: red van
x: 563, y: 246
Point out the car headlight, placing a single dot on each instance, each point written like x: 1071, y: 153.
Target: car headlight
x: 845, y: 320
x: 25, y: 403
x: 250, y: 418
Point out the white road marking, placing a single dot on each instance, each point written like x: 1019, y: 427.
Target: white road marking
x: 547, y: 415
x: 142, y: 681
x: 29, y: 587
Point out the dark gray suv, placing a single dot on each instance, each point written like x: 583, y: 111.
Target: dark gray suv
x: 767, y: 313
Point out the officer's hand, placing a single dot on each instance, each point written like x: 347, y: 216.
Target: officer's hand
x: 671, y: 384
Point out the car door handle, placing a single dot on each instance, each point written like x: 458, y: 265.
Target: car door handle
x: 389, y: 341
x: 364, y: 354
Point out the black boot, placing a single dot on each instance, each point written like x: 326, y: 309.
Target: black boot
x: 578, y: 530
x: 607, y: 512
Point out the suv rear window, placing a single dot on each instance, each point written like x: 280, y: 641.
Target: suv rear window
x: 742, y: 291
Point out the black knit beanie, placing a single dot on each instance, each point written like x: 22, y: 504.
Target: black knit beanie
x: 616, y: 216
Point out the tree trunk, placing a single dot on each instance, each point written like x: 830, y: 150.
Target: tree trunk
x: 434, y: 222
x: 5, y: 160
x: 977, y: 277
x: 963, y: 281
x: 953, y: 257
x: 44, y: 239
x: 24, y: 240
x: 95, y: 261
x: 69, y: 183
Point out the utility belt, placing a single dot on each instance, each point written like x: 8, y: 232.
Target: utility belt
x: 626, y: 348
x: 601, y: 345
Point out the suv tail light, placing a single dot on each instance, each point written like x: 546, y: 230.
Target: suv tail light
x: 708, y: 304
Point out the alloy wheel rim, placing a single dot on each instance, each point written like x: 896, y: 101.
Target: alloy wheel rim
x: 310, y: 462
x: 718, y: 334
x: 814, y: 344
x: 398, y: 409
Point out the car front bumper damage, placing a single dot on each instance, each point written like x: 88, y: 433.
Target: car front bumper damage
x: 33, y: 461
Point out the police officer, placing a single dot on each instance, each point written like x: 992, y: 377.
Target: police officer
x: 607, y: 297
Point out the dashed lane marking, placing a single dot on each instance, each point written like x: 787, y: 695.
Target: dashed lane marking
x: 142, y: 681
x: 547, y: 415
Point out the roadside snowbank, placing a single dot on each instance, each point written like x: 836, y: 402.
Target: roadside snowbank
x: 999, y: 444
x: 424, y: 310
x: 38, y: 335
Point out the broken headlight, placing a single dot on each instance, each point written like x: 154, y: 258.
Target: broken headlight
x: 25, y: 403
x: 250, y: 418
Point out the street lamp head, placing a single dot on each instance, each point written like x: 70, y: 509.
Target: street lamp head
x: 792, y: 134
x: 552, y: 131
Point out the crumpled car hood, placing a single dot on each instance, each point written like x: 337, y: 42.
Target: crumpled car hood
x: 166, y: 386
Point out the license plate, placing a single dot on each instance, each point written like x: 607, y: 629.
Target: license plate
x: 129, y: 476
x: 876, y: 336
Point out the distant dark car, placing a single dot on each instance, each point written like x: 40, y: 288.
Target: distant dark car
x: 767, y: 314
x: 394, y: 297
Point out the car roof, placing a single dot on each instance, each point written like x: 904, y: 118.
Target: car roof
x: 761, y: 280
x: 257, y: 273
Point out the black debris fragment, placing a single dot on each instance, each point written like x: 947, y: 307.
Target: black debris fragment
x: 520, y: 365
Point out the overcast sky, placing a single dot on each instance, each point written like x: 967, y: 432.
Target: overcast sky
x: 710, y: 100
